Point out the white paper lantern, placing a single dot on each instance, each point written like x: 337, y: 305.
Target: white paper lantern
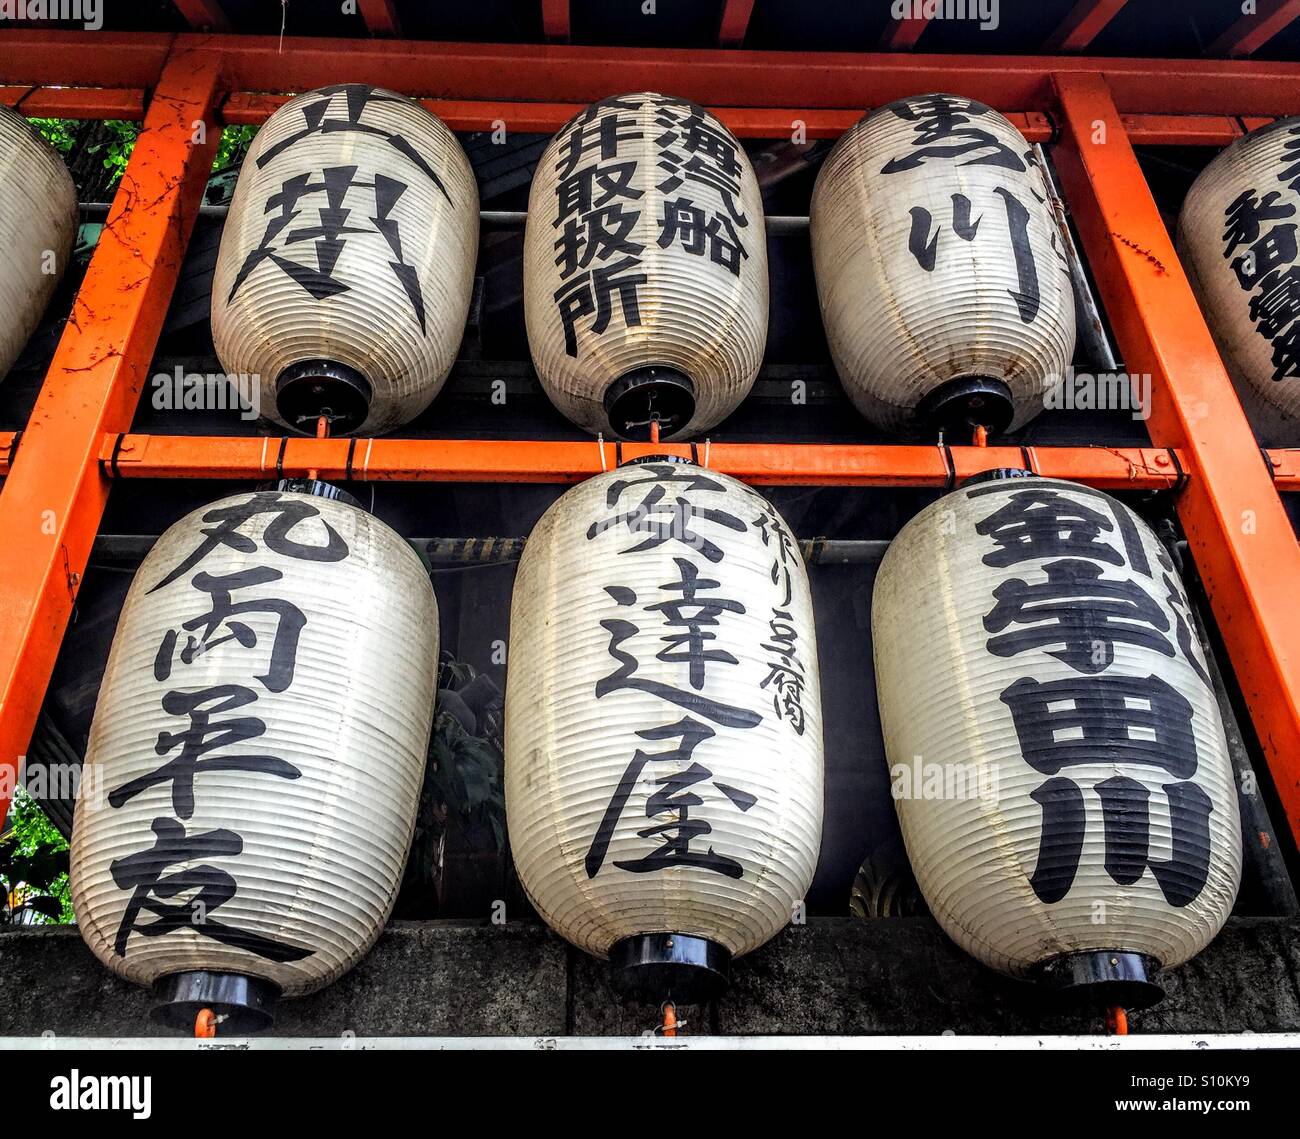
x: 1058, y: 759
x: 943, y: 283
x: 663, y: 723
x: 38, y: 221
x: 1237, y: 242
x: 645, y: 268
x: 347, y: 260
x: 256, y: 755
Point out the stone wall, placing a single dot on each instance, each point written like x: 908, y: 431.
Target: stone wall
x: 833, y: 975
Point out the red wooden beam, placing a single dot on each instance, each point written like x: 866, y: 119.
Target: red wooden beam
x: 735, y: 22
x: 82, y: 59
x: 568, y: 74
x: 204, y: 15
x: 901, y: 35
x: 1251, y: 32
x: 76, y: 102
x: 380, y: 17
x: 555, y: 21
x: 1183, y: 130
x: 54, y: 494
x: 546, y: 118
x: 1243, y: 542
x: 244, y: 108
x: 1086, y: 21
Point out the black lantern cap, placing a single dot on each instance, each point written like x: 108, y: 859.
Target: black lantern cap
x: 640, y: 396
x: 657, y: 967
x: 959, y: 406
x: 317, y: 487
x: 1104, y: 978
x: 244, y: 1004
x: 309, y: 389
x: 994, y: 474
x: 653, y: 460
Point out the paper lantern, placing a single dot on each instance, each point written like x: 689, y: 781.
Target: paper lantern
x: 256, y: 755
x: 943, y: 284
x: 645, y: 268
x: 1058, y: 759
x: 663, y: 724
x: 1237, y: 242
x: 38, y: 221
x: 347, y: 261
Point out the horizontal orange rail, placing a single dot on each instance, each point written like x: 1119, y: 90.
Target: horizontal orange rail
x: 475, y: 460
x: 512, y: 460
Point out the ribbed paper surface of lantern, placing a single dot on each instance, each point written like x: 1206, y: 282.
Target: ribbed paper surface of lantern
x: 663, y: 724
x: 1059, y: 764
x: 258, y: 746
x: 1237, y: 242
x: 352, y: 238
x: 938, y: 258
x: 38, y: 221
x: 645, y: 246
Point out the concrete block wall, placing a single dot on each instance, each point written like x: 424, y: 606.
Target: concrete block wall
x: 831, y: 976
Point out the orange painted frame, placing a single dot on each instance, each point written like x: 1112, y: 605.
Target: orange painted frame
x: 54, y: 496
x: 58, y: 482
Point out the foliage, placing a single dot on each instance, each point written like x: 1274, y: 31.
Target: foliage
x: 113, y: 140
x: 461, y: 817
x: 230, y: 150
x: 34, y: 856
x: 466, y: 776
x: 57, y: 132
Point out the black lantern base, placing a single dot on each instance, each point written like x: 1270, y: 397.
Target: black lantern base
x: 1104, y: 978
x: 244, y: 1004
x: 658, y: 967
x: 311, y: 388
x: 959, y: 406
x: 643, y: 395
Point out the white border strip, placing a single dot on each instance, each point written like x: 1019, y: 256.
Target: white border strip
x: 348, y: 1043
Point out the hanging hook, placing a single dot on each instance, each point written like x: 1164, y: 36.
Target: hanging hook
x: 670, y: 1023
x: 1117, y: 1021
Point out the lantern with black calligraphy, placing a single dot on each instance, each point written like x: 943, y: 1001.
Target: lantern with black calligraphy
x: 645, y: 269
x: 1059, y: 762
x: 1237, y: 242
x: 347, y: 262
x: 38, y: 221
x: 256, y: 755
x: 663, y: 724
x: 943, y: 284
